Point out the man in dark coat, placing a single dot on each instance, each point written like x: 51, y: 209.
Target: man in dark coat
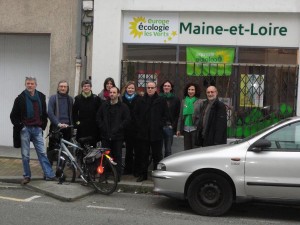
x: 29, y: 117
x: 151, y: 113
x: 212, y: 119
x: 85, y: 108
x: 112, y: 118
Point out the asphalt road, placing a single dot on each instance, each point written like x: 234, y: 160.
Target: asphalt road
x: 23, y: 206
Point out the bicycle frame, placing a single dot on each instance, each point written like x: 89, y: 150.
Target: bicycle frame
x: 65, y: 150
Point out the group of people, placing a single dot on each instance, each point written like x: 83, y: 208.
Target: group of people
x: 144, y: 123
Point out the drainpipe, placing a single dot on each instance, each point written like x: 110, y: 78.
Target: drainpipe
x: 78, y: 48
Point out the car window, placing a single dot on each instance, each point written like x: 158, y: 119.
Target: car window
x: 259, y: 132
x: 286, y: 138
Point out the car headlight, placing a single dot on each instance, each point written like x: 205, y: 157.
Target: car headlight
x: 161, y: 166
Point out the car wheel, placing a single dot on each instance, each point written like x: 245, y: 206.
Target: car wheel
x: 210, y: 195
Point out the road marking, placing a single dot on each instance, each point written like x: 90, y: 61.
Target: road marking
x: 20, y: 200
x: 31, y: 198
x: 102, y: 207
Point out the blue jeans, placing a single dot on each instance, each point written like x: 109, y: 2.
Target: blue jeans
x: 34, y: 134
x: 168, y: 139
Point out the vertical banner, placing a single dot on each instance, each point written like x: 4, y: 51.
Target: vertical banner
x: 203, y: 61
x: 252, y: 90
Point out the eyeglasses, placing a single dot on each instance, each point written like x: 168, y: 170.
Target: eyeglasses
x: 210, y: 92
x: 151, y: 87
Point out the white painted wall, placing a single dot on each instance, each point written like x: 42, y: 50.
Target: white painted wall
x: 107, y: 36
x: 21, y: 56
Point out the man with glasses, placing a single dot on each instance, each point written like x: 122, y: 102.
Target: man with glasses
x: 212, y: 119
x: 60, y: 114
x: 29, y: 117
x: 151, y: 114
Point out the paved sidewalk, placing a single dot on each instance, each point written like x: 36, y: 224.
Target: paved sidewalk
x: 11, y: 172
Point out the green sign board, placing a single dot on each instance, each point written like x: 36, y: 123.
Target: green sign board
x: 204, y: 61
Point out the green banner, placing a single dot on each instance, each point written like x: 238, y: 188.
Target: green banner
x: 204, y: 61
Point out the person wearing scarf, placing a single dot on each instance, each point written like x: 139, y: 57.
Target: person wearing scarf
x: 60, y: 115
x: 130, y: 97
x: 29, y: 117
x: 108, y: 84
x: 186, y: 124
x: 84, y: 111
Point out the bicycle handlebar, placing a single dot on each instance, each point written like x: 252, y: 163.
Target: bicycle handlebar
x: 58, y: 130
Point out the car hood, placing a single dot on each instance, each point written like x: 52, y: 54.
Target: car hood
x: 206, y: 157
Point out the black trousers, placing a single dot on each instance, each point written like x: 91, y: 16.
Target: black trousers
x: 131, y: 148
x: 116, y: 152
x: 189, y: 139
x: 143, y: 154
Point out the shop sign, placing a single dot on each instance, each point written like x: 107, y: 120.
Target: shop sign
x: 209, y: 28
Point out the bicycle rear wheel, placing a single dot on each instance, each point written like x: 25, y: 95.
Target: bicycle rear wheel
x: 105, y: 183
x: 65, y: 170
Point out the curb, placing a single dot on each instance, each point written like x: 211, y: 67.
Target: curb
x: 74, y: 191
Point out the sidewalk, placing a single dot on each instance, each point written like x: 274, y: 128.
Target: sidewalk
x: 11, y: 172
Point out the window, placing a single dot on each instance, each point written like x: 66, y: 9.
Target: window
x: 267, y: 55
x: 286, y: 138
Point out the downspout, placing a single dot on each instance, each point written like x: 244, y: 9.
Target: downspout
x: 78, y: 48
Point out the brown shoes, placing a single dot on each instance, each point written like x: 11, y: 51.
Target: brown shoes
x: 25, y: 181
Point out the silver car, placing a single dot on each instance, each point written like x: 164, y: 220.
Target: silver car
x: 264, y: 166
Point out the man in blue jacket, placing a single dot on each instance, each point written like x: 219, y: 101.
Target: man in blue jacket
x: 60, y: 114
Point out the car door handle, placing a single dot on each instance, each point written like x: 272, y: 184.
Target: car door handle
x: 236, y: 159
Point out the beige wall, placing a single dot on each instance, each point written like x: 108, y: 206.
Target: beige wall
x: 55, y: 17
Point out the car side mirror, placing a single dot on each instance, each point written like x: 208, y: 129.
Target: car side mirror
x: 259, y: 145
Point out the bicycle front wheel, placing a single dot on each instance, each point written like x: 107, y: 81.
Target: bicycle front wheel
x: 105, y: 183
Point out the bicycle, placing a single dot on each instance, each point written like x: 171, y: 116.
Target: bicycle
x: 97, y: 169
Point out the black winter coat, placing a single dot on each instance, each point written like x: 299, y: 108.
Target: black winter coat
x: 174, y: 109
x: 85, y: 112
x: 19, y: 113
x: 131, y: 129
x: 216, y: 131
x: 151, y: 116
x: 113, y: 120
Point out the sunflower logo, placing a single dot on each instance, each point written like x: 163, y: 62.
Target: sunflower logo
x: 224, y: 55
x: 134, y: 24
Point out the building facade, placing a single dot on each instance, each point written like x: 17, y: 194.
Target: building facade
x: 248, y: 49
x: 37, y: 38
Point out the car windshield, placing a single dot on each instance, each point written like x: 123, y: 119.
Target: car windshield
x: 260, y: 132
